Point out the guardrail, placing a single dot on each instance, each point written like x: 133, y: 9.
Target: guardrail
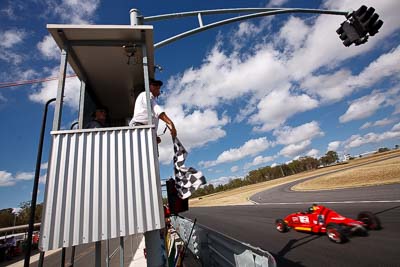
x: 212, y: 248
x: 18, y: 227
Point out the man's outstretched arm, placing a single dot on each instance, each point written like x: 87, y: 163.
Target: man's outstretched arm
x: 169, y: 123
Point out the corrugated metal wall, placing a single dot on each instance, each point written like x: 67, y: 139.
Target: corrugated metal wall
x: 101, y: 184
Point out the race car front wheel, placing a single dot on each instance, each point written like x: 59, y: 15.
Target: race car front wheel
x: 281, y: 226
x: 336, y: 233
x: 371, y: 220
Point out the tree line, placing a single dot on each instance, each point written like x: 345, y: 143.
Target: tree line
x: 268, y: 173
x: 10, y: 218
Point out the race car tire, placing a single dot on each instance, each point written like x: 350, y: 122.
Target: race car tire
x: 281, y: 226
x: 371, y: 220
x: 336, y: 233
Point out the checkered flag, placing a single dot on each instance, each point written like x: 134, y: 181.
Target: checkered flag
x: 187, y: 180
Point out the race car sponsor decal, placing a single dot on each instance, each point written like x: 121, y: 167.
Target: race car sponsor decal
x: 304, y: 219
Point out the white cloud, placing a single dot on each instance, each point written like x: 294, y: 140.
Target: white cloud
x: 42, y: 178
x: 273, y: 113
x: 276, y: 3
x: 258, y: 161
x: 44, y: 166
x: 333, y: 146
x: 8, y: 40
x: 358, y: 140
x: 294, y: 33
x: 288, y: 135
x: 273, y: 69
x: 221, y: 180
x: 323, y: 46
x: 6, y: 179
x: 363, y: 107
x: 384, y: 66
x: 235, y: 168
x: 342, y: 83
x: 73, y: 11
x: 293, y: 150
x: 396, y: 127
x: 220, y: 78
x: 251, y: 147
x: 313, y: 153
x: 26, y: 176
x: 48, y: 90
x: 49, y: 48
x: 194, y: 129
x: 246, y: 29
x: 383, y: 122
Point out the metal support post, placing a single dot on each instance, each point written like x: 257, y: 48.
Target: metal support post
x: 63, y: 257
x: 36, y: 186
x: 121, y: 252
x: 134, y: 14
x: 200, y: 20
x: 108, y: 253
x: 60, y: 90
x: 147, y: 84
x: 97, y: 260
x: 41, y: 259
x: 72, y: 256
x: 82, y: 105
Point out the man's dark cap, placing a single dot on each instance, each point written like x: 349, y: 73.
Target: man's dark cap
x: 155, y: 82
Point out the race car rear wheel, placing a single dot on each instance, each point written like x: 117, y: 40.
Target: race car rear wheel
x: 371, y: 220
x: 281, y: 226
x: 336, y: 233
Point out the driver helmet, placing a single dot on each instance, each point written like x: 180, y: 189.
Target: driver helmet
x: 313, y: 208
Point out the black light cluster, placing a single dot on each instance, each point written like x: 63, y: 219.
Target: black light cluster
x: 359, y: 26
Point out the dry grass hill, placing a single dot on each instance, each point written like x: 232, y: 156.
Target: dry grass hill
x: 386, y: 171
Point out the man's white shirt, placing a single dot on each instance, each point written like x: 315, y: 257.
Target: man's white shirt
x: 140, y: 112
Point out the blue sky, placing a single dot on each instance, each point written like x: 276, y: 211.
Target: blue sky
x: 245, y: 95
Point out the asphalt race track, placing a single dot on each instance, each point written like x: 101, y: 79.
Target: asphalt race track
x: 254, y: 224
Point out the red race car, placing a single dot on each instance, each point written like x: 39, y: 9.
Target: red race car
x: 320, y: 219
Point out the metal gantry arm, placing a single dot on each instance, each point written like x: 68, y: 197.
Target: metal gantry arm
x: 254, y: 13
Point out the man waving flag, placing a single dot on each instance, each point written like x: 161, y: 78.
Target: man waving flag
x: 187, y: 180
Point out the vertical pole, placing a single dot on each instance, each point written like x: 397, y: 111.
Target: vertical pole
x: 97, y: 260
x: 134, y: 14
x: 72, y: 256
x: 82, y: 105
x: 41, y: 259
x: 200, y: 19
x: 36, y: 186
x: 60, y: 90
x: 63, y: 257
x: 121, y: 252
x: 135, y: 21
x: 15, y: 219
x: 146, y: 83
x: 108, y: 253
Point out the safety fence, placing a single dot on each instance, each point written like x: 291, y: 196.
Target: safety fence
x: 212, y: 248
